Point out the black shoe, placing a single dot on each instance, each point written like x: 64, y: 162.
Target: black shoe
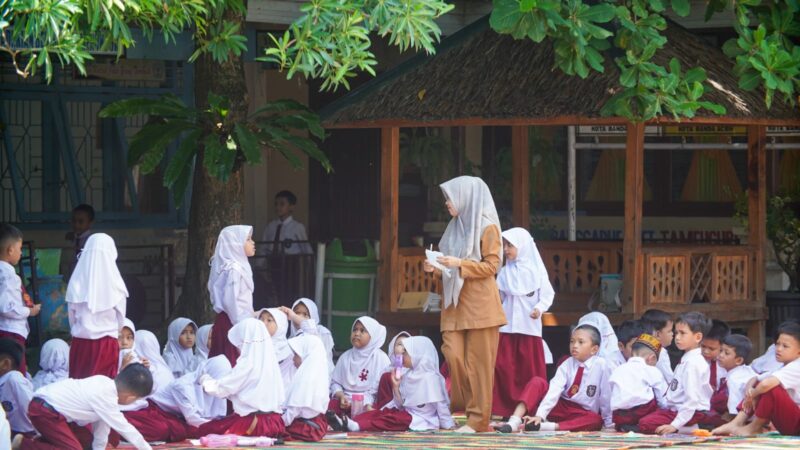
x: 532, y: 426
x: 629, y: 428
x: 337, y: 423
x: 504, y: 428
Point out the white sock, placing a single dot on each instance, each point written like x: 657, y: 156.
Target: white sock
x: 547, y: 426
x: 352, y: 425
x: 514, y: 422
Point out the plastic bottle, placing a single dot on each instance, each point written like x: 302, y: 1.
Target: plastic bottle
x: 356, y: 405
x: 232, y: 440
x: 397, y: 362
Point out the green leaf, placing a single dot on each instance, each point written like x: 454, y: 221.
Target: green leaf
x: 526, y: 5
x: 681, y: 7
x: 750, y: 80
x: 248, y: 143
x: 181, y: 183
x: 601, y: 13
x: 185, y: 154
x: 147, y: 146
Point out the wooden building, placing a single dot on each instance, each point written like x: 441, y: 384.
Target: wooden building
x: 480, y: 78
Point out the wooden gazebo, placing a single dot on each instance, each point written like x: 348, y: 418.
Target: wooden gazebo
x: 480, y: 78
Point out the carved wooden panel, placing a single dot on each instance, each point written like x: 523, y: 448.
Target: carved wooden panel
x: 575, y: 270
x: 666, y: 279
x: 700, y: 280
x: 729, y: 281
x: 414, y: 279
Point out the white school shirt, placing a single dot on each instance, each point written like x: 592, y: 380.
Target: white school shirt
x: 617, y: 359
x: 92, y: 401
x: 5, y: 432
x: 766, y: 363
x: 13, y: 312
x: 426, y: 417
x: 309, y: 326
x: 593, y: 394
x: 789, y: 376
x: 636, y: 383
x: 690, y: 391
x: 665, y: 365
x: 518, y: 309
x: 87, y: 325
x: 16, y: 393
x: 737, y: 381
x: 292, y: 231
x: 369, y: 386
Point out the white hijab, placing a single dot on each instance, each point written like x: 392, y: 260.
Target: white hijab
x: 423, y: 383
x: 54, y: 363
x: 390, y: 348
x: 189, y: 390
x: 201, y: 343
x: 310, y: 385
x: 462, y: 238
x: 181, y: 360
x: 96, y: 280
x: 146, y: 346
x: 313, y: 313
x: 370, y: 358
x: 279, y: 341
x: 608, y: 344
x: 527, y: 273
x: 255, y: 383
x: 229, y: 261
x: 128, y: 323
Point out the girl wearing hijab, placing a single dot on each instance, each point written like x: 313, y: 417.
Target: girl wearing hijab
x: 395, y: 349
x: 304, y: 318
x: 420, y: 400
x: 179, y: 351
x: 278, y: 325
x: 96, y: 299
x: 307, y: 395
x: 185, y: 395
x: 230, y: 284
x: 54, y: 363
x: 526, y: 292
x: 254, y: 386
x: 610, y: 344
x: 359, y: 370
x: 472, y: 314
x: 201, y: 344
x: 127, y: 342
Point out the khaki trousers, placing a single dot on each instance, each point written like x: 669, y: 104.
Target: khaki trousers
x: 470, y: 356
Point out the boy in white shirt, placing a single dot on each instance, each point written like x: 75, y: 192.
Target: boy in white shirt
x: 16, y: 391
x: 662, y: 325
x: 637, y: 387
x: 711, y: 348
x: 284, y: 234
x: 689, y: 393
x: 60, y: 410
x: 736, y: 349
x: 773, y: 397
x: 627, y: 334
x: 15, y: 303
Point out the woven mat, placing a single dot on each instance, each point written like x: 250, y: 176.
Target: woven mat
x: 764, y: 441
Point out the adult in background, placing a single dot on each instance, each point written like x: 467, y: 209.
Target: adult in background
x: 472, y: 314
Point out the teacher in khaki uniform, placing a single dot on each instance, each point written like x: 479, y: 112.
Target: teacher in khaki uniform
x: 472, y: 314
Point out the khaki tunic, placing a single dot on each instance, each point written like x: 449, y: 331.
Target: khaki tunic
x: 479, y: 302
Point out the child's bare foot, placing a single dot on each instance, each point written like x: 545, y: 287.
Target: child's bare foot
x: 750, y: 429
x: 16, y: 443
x: 724, y: 430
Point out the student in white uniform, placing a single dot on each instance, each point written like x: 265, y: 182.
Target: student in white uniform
x: 627, y: 334
x: 609, y: 342
x: 285, y: 234
x: 63, y: 408
x: 53, y: 363
x: 689, y: 394
x: 526, y: 294
x: 254, y: 386
x: 5, y: 432
x: 185, y: 395
x: 202, y: 344
x: 305, y: 320
x: 420, y: 399
x: 394, y: 350
x: 359, y: 370
x: 766, y: 363
x: 307, y: 395
x: 662, y: 325
x: 711, y: 348
x: 97, y: 300
x: 278, y: 325
x: 736, y: 349
x: 179, y: 351
x: 637, y: 387
x: 16, y: 391
x: 577, y: 398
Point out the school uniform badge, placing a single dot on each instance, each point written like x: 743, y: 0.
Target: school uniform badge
x: 673, y: 385
x: 591, y: 390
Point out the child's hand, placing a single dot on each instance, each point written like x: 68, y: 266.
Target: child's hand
x: 536, y: 314
x: 395, y: 380
x: 536, y: 420
x: 666, y: 429
x: 427, y: 267
x: 291, y: 314
x: 451, y: 262
x: 35, y: 310
x: 146, y: 362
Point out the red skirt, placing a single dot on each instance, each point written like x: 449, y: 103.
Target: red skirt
x: 385, y: 394
x: 155, y: 424
x: 256, y: 424
x: 520, y: 358
x: 308, y: 430
x: 220, y: 345
x: 23, y: 364
x: 89, y: 357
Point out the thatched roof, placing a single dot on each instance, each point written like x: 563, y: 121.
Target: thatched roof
x: 479, y: 77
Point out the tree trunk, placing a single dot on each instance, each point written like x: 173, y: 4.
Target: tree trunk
x: 215, y: 204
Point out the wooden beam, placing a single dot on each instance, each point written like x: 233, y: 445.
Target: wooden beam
x: 390, y: 211
x: 757, y: 219
x: 520, y: 177
x: 632, y: 230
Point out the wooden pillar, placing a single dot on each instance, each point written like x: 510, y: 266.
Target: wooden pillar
x: 632, y: 261
x: 520, y: 177
x: 390, y: 211
x: 757, y: 222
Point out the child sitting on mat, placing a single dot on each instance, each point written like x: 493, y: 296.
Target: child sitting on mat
x: 637, y: 387
x: 307, y: 395
x: 179, y: 351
